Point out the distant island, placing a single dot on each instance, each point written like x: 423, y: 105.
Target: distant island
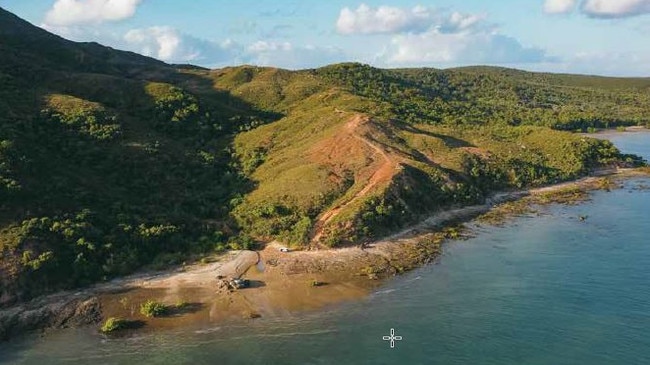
x: 111, y: 162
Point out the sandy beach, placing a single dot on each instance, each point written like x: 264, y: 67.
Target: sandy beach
x: 281, y: 282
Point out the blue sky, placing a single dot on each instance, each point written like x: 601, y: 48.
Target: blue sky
x: 607, y: 37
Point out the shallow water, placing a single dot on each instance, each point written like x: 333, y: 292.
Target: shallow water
x: 547, y: 289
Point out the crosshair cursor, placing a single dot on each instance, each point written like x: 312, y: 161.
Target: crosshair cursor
x: 392, y: 338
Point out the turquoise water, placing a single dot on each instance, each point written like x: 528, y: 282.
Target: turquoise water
x: 545, y: 289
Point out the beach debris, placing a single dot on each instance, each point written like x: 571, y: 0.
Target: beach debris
x: 251, y: 315
x: 285, y: 249
x: 222, y: 286
x: 315, y: 282
x: 239, y: 283
x: 231, y: 284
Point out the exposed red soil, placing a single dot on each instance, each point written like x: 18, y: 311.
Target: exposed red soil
x: 352, y: 143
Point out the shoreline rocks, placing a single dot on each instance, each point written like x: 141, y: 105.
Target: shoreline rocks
x: 39, y: 315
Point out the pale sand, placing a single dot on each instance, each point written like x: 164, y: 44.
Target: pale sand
x: 280, y: 285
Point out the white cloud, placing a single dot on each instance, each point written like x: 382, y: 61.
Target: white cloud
x: 384, y: 19
x: 615, y: 8
x: 391, y: 20
x: 71, y: 12
x: 458, y: 22
x: 600, y: 8
x: 458, y: 48
x: 168, y: 44
x: 286, y: 55
x: 160, y: 42
x: 622, y: 64
x: 559, y: 6
x: 422, y: 36
x: 264, y: 46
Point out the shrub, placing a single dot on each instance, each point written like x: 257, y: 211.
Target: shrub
x: 242, y: 242
x: 151, y: 308
x: 452, y: 232
x: 113, y: 324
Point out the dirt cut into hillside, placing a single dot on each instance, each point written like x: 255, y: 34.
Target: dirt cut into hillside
x: 353, y: 143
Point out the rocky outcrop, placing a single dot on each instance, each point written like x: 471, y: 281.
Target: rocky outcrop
x: 42, y: 314
x: 7, y: 297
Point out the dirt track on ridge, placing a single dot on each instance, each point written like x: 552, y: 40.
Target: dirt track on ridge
x: 354, y: 128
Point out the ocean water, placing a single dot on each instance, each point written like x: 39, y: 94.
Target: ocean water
x: 543, y: 289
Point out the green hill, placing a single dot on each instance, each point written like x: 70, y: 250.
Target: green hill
x: 362, y: 151
x: 111, y: 161
x: 107, y: 161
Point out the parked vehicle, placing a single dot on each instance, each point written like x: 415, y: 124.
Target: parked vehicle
x: 239, y: 283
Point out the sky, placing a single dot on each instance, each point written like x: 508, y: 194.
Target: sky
x: 604, y: 37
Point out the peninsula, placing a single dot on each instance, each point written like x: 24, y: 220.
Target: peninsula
x: 112, y: 162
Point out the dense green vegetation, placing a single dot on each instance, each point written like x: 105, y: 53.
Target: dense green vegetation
x: 151, y: 308
x: 484, y: 95
x: 102, y: 172
x: 111, y: 161
x: 113, y: 324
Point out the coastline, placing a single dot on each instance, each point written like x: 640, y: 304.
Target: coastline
x: 281, y: 283
x: 605, y: 133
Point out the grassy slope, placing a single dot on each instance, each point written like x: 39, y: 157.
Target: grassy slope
x: 110, y: 160
x: 320, y: 181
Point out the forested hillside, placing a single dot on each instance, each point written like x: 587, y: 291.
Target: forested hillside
x: 490, y: 95
x: 107, y: 162
x: 111, y: 161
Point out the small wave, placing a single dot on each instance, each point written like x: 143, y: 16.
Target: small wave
x: 281, y: 334
x: 385, y: 291
x: 291, y: 334
x: 208, y: 330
